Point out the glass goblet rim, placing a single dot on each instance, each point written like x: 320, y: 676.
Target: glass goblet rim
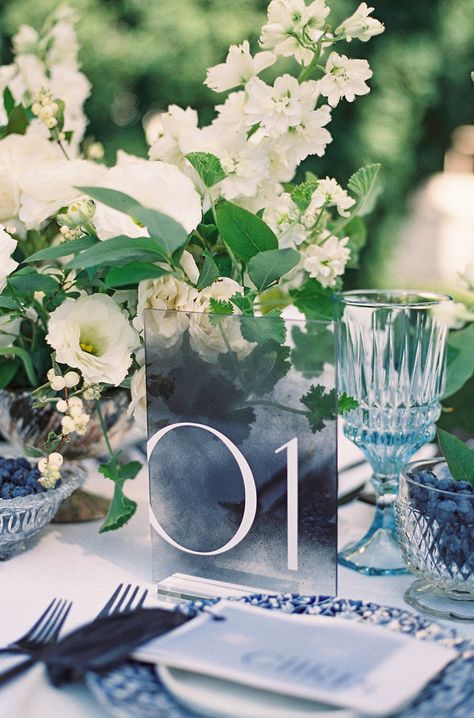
x: 393, y: 298
x: 427, y: 465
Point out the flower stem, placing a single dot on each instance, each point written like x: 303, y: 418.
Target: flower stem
x: 104, y: 428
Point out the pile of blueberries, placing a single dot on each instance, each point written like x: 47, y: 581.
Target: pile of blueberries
x: 18, y: 478
x: 453, y: 534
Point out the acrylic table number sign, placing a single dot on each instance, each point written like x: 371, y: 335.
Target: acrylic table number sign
x: 242, y: 416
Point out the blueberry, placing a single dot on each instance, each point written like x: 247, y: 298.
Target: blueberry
x: 23, y: 463
x: 19, y: 491
x: 446, y: 485
x: 425, y: 478
x: 445, y: 511
x: 19, y: 476
x: 9, y: 465
x: 465, y: 486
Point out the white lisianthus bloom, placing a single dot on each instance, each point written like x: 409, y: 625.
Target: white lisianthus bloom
x: 208, y: 338
x: 238, y: 68
x: 287, y: 19
x: 50, y: 186
x: 189, y: 266
x: 277, y: 109
x: 467, y: 276
x: 245, y: 165
x: 93, y: 335
x: 325, y: 262
x: 330, y: 194
x: 360, y: 26
x: 155, y: 185
x: 7, y: 264
x: 172, y: 124
x: 344, y: 78
x: 454, y: 315
x: 308, y: 138
x: 9, y: 330
x: 16, y: 153
x: 284, y: 216
x: 166, y: 328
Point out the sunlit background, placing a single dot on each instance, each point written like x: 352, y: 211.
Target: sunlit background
x: 142, y: 55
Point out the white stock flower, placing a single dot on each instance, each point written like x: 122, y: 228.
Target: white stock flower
x: 165, y: 328
x: 25, y: 40
x: 277, y: 109
x: 206, y: 337
x: 287, y: 21
x: 284, y: 216
x: 327, y: 261
x: 50, y: 186
x: 330, y: 194
x: 344, y: 78
x: 308, y: 138
x: 231, y: 115
x: 7, y: 264
x: 245, y: 165
x: 360, y: 26
x: 9, y: 329
x: 137, y: 406
x: 172, y: 125
x: 93, y: 335
x: 73, y: 87
x: 238, y: 68
x: 467, y: 276
x: 156, y: 185
x: 454, y: 315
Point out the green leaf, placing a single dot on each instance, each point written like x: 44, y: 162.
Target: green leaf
x: 460, y: 359
x: 32, y: 451
x: 25, y: 358
x: 7, y: 302
x: 27, y: 281
x: 17, y: 121
x: 244, y: 234
x: 315, y: 301
x: 346, y: 403
x: 133, y: 273
x: 209, y: 272
x: 8, y: 101
x: 244, y: 302
x: 168, y: 234
x: 362, y: 182
x: 120, y: 511
x: 459, y: 457
x: 302, y: 194
x: 267, y: 267
x: 224, y: 265
x: 263, y: 329
x: 52, y: 442
x: 130, y: 470
x: 119, y: 251
x: 208, y: 167
x: 312, y: 349
x: 8, y: 369
x: 220, y: 307
x: 321, y: 405
x: 63, y: 250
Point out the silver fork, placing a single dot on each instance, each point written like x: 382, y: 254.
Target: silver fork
x: 118, y: 602
x: 37, y: 636
x: 47, y: 630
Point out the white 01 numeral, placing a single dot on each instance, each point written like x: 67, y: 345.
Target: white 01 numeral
x: 250, y: 506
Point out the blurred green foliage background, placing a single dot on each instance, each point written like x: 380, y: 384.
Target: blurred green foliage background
x: 142, y: 55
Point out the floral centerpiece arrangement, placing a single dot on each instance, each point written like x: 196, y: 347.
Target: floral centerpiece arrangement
x: 213, y: 220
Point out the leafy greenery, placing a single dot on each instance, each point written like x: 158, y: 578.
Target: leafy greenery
x: 321, y: 405
x: 267, y: 267
x: 460, y: 359
x: 207, y: 166
x: 244, y: 233
x: 459, y: 456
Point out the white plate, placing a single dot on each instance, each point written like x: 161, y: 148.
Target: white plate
x: 218, y: 698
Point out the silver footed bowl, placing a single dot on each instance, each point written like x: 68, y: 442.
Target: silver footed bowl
x: 24, y: 517
x: 21, y: 423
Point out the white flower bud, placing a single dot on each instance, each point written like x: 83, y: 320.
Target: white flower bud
x: 68, y: 425
x: 75, y: 401
x: 62, y: 406
x: 36, y: 108
x: 51, y: 122
x: 72, y: 379
x: 55, y: 459
x: 43, y: 465
x: 75, y: 411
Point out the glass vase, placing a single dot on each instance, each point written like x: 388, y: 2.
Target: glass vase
x: 392, y: 359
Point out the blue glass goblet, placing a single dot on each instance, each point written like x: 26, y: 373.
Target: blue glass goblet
x: 392, y: 359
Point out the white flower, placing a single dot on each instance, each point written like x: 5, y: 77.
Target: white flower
x: 231, y: 115
x: 238, y: 68
x: 72, y: 379
x: 50, y: 470
x: 276, y: 109
x: 344, y: 78
x: 50, y: 186
x: 330, y: 194
x: 137, y: 407
x: 156, y: 185
x: 360, y: 26
x: 287, y: 21
x: 206, y: 337
x: 245, y: 165
x: 467, y: 276
x: 16, y: 153
x: 189, y: 266
x: 171, y: 126
x: 453, y: 315
x: 308, y: 138
x: 284, y: 216
x: 92, y: 334
x: 327, y: 261
x: 9, y: 329
x: 7, y: 264
x: 73, y: 87
x: 166, y: 328
x: 25, y: 40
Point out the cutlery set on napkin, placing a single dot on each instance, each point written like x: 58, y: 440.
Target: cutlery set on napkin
x: 230, y: 646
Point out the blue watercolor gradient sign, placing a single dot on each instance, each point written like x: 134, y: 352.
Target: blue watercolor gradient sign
x: 242, y: 450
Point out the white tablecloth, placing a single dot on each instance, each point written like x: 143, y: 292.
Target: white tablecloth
x: 75, y: 562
